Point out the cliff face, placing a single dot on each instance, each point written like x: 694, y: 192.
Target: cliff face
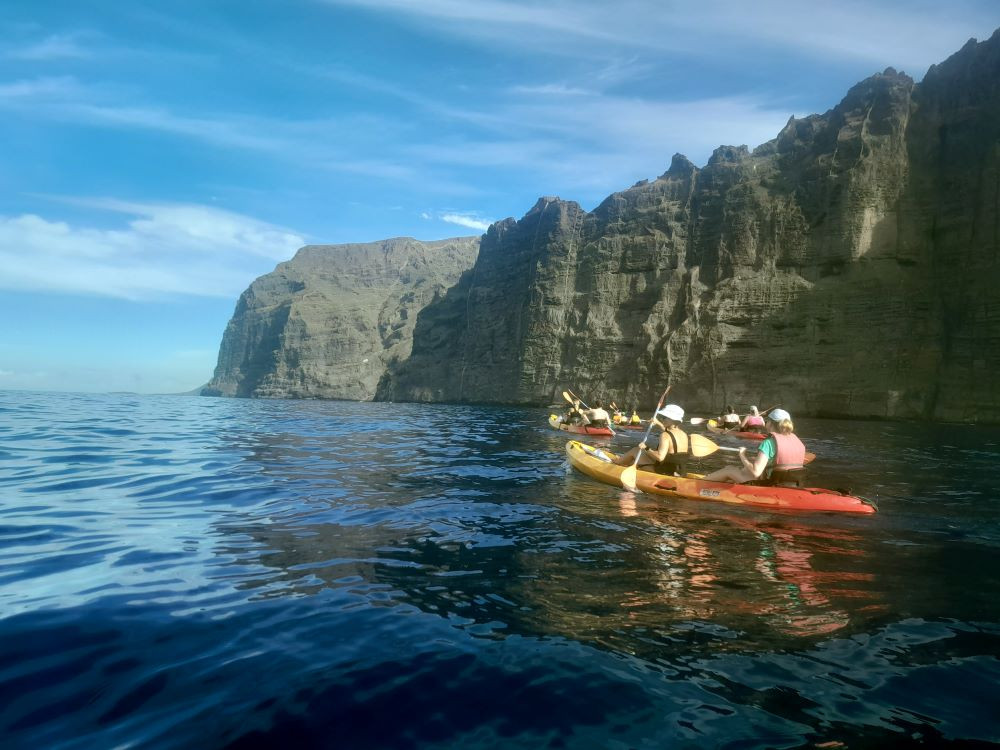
x: 327, y: 323
x: 848, y: 267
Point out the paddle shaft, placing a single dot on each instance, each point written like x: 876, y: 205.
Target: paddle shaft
x: 809, y: 457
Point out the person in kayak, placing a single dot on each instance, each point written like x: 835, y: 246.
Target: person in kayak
x: 780, y: 461
x: 635, y: 418
x: 730, y: 420
x: 670, y: 455
x: 596, y: 416
x: 752, y: 420
x: 574, y: 415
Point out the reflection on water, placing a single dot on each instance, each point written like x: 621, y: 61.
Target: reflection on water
x: 315, y: 566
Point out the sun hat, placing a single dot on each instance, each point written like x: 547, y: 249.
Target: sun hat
x: 671, y: 411
x: 779, y: 415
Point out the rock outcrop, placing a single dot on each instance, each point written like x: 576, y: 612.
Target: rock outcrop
x: 848, y: 267
x: 327, y: 323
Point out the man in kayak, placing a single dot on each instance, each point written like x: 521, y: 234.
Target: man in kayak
x: 671, y: 453
x: 752, y: 421
x: 730, y: 420
x: 780, y: 462
x: 596, y: 416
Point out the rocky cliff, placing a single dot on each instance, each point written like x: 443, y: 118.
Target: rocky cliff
x: 848, y: 267
x: 327, y: 323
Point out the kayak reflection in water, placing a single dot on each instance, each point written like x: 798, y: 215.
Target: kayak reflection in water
x: 780, y: 461
x: 671, y: 453
x: 700, y: 571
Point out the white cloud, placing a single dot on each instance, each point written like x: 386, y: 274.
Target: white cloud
x: 908, y: 35
x: 53, y: 47
x: 163, y: 250
x: 466, y: 220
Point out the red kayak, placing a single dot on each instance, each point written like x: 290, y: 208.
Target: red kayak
x: 713, y: 426
x: 580, y: 429
x: 596, y: 464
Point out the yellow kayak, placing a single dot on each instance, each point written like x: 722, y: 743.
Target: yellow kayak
x: 593, y: 462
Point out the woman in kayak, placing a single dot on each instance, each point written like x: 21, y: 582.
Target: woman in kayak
x: 671, y: 453
x: 574, y: 415
x: 780, y: 461
x: 730, y: 420
x: 752, y: 420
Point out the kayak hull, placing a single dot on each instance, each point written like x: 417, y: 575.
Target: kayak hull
x: 694, y: 487
x: 713, y: 426
x: 579, y: 429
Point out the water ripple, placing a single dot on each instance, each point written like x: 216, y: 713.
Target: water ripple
x: 182, y: 572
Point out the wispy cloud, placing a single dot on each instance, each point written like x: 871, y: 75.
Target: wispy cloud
x: 907, y: 34
x: 52, y: 47
x: 472, y: 221
x: 163, y: 250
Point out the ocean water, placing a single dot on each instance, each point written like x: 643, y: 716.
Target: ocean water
x: 181, y: 572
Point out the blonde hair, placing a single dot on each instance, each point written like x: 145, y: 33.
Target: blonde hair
x: 785, y: 427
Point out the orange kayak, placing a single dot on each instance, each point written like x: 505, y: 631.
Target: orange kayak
x: 579, y: 428
x: 588, y: 460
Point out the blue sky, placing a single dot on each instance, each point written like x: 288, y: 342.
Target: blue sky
x: 159, y: 156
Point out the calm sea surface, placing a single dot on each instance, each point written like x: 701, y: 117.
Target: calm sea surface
x: 181, y: 572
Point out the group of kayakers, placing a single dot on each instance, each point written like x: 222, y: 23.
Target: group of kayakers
x: 597, y: 415
x: 780, y: 459
x: 730, y: 420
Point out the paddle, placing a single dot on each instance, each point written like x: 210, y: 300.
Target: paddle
x: 701, y: 446
x: 628, y: 474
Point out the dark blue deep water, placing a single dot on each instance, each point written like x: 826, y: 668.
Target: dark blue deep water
x: 180, y: 572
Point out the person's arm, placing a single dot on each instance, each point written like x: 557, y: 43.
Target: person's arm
x: 661, y: 449
x: 759, y: 462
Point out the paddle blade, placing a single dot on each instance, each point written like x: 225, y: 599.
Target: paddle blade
x: 628, y: 478
x: 696, y: 420
x: 700, y: 446
x: 567, y: 397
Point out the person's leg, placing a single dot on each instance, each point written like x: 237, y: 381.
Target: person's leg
x: 627, y: 459
x: 729, y: 474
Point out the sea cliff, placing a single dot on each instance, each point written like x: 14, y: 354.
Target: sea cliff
x: 847, y: 267
x: 328, y: 322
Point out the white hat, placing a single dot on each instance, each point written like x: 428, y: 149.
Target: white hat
x: 778, y: 415
x: 672, y: 411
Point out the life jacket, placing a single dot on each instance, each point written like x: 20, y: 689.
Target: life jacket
x: 675, y: 462
x: 757, y: 421
x: 788, y: 467
x: 635, y: 418
x: 791, y: 453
